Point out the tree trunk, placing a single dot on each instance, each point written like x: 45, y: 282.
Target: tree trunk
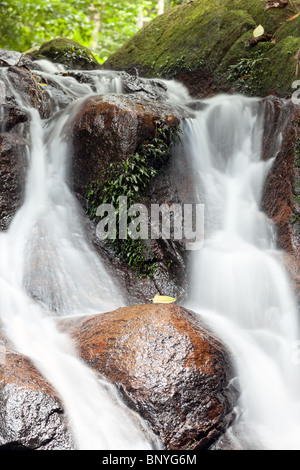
x: 161, y: 7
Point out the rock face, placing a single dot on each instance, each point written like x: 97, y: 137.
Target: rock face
x: 199, y: 41
x: 168, y: 367
x: 110, y: 128
x: 31, y: 415
x: 13, y: 125
x: 13, y: 164
x: 281, y: 192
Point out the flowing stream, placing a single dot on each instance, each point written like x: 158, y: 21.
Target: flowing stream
x: 47, y: 270
x: 238, y: 285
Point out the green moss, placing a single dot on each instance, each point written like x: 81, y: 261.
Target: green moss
x: 271, y: 19
x: 282, y: 66
x: 239, y: 49
x: 195, y: 32
x: 291, y: 28
x: 67, y: 52
x: 212, y: 36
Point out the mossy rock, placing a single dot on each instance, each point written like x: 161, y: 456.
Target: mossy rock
x: 208, y: 36
x: 282, y: 66
x: 67, y: 52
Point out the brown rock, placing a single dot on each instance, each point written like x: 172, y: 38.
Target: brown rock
x: 278, y: 200
x: 110, y: 128
x: 31, y: 92
x: 31, y: 414
x: 12, y: 176
x: 168, y: 367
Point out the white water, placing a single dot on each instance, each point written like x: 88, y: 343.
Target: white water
x: 47, y: 269
x: 237, y: 282
x: 238, y: 285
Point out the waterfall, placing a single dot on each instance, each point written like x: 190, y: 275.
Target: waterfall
x: 48, y: 269
x: 238, y: 285
x: 237, y: 282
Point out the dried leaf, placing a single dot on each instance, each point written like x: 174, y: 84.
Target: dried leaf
x: 276, y: 4
x: 293, y: 17
x: 163, y: 299
x: 259, y: 31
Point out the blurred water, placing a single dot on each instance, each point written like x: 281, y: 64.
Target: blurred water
x: 237, y: 282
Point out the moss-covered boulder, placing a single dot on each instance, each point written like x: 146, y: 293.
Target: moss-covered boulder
x: 67, y: 52
x: 205, y: 40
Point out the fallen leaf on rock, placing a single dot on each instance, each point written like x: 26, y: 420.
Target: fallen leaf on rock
x: 293, y: 17
x: 163, y: 299
x: 276, y: 4
x: 259, y: 31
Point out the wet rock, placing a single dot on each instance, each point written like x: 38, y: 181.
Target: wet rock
x: 168, y: 367
x: 10, y: 113
x: 110, y: 128
x: 13, y: 164
x: 280, y: 199
x: 10, y: 57
x: 31, y: 414
x: 32, y: 93
x: 155, y: 89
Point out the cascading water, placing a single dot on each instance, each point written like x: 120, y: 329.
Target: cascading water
x: 237, y: 282
x: 48, y: 269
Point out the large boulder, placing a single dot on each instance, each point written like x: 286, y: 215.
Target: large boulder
x: 31, y: 414
x: 67, y: 52
x: 169, y: 368
x: 198, y: 43
x: 107, y: 129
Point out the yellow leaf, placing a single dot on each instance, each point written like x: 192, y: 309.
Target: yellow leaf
x: 163, y: 299
x: 259, y: 31
x: 293, y: 17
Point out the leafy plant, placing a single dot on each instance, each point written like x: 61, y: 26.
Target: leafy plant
x: 130, y: 178
x: 247, y: 72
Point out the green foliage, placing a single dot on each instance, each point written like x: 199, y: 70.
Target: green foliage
x: 103, y: 25
x: 173, y: 67
x: 247, y: 72
x: 130, y: 178
x: 28, y: 23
